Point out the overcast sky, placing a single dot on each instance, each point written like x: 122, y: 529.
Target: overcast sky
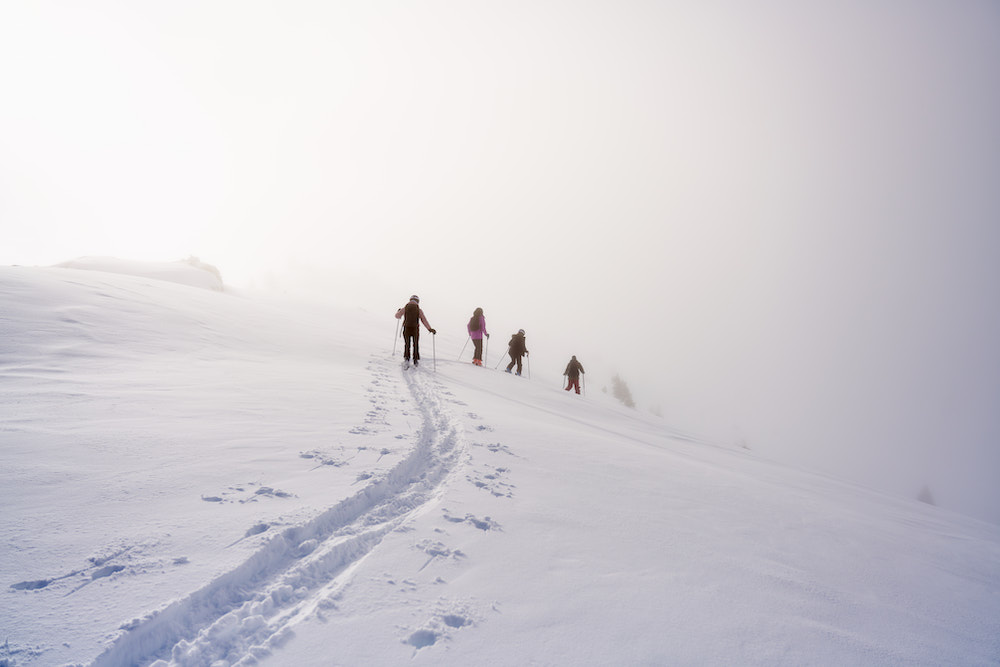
x: 778, y: 218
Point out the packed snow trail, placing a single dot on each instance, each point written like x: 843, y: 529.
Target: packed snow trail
x: 241, y: 614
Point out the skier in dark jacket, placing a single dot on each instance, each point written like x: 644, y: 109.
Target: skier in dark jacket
x: 477, y: 329
x: 517, y: 349
x: 573, y: 370
x: 412, y: 316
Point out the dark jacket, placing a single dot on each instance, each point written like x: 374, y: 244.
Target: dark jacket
x: 517, y: 346
x: 574, y: 368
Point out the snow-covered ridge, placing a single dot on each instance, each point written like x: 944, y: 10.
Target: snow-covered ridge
x: 191, y: 271
x: 195, y: 479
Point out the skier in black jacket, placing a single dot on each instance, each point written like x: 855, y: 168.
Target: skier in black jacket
x: 412, y: 315
x: 517, y: 349
x: 573, y: 370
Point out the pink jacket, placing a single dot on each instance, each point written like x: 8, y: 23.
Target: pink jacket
x: 478, y: 334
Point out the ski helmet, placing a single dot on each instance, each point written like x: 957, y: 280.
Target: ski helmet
x: 415, y: 298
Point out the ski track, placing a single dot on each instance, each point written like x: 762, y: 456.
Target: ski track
x: 241, y: 614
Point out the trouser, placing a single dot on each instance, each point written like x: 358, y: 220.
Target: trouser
x: 574, y: 382
x: 515, y: 360
x: 411, y: 334
x: 477, y: 349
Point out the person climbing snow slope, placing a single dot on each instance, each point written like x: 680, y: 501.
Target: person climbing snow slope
x: 516, y: 348
x: 573, y: 370
x: 477, y: 329
x: 412, y: 316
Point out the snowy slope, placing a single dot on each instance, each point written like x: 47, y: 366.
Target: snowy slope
x: 194, y: 477
x: 191, y: 271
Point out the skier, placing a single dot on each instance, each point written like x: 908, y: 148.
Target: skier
x: 573, y: 370
x: 516, y: 348
x: 412, y: 315
x: 477, y: 329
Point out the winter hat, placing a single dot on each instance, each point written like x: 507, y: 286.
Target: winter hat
x: 415, y: 298
x: 520, y: 331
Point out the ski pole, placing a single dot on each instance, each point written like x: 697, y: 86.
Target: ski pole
x: 395, y: 339
x: 501, y: 360
x: 528, y: 364
x: 464, y: 346
x: 486, y: 352
x: 434, y: 351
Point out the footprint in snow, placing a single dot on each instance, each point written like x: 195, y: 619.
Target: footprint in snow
x: 484, y: 524
x: 492, y: 481
x: 323, y: 459
x: 438, y: 627
x: 437, y: 550
x: 106, y: 571
x: 496, y: 448
x: 268, y: 491
x: 232, y: 493
x: 99, y: 568
x: 422, y: 639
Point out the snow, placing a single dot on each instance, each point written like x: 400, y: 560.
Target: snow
x: 206, y: 276
x: 194, y: 476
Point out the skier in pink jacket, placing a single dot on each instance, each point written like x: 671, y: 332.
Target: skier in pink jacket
x: 477, y: 329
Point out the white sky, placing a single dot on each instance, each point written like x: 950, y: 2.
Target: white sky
x: 785, y: 217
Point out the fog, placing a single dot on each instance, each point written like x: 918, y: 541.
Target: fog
x: 779, y: 224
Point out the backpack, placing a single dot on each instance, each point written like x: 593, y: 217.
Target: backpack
x: 516, y: 344
x: 411, y: 315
